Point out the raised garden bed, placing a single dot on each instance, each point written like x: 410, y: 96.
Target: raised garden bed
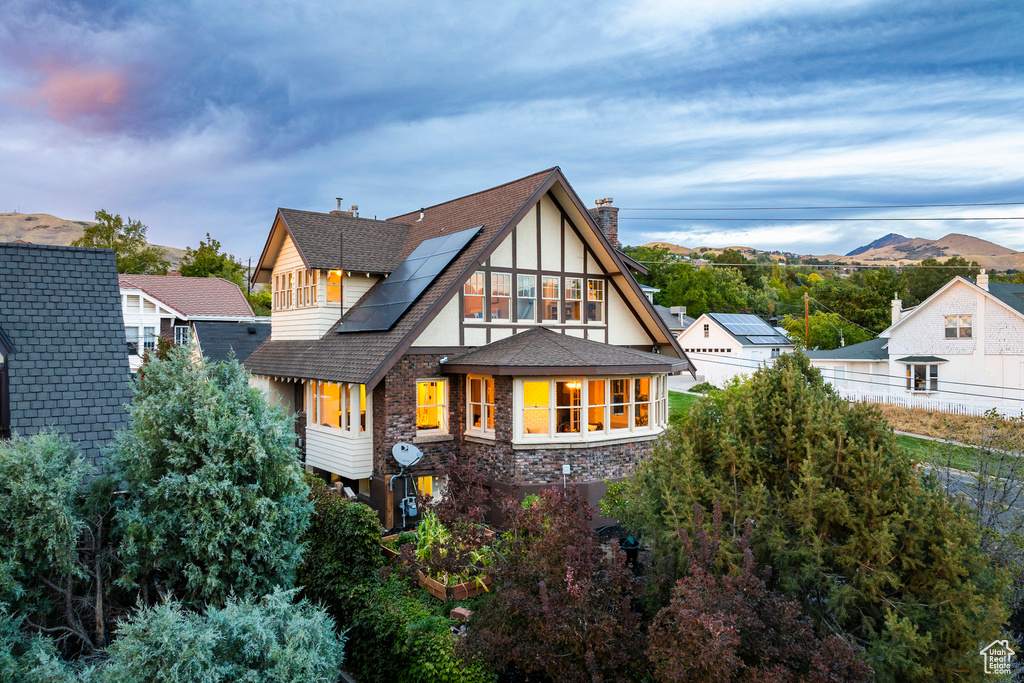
x: 442, y: 591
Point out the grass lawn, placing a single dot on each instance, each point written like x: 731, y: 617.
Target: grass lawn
x: 680, y: 401
x: 942, y: 454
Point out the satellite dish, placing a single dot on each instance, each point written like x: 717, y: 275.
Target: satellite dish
x: 406, y: 454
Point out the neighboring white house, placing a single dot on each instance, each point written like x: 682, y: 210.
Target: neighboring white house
x: 724, y: 345
x: 961, y: 350
x: 166, y: 305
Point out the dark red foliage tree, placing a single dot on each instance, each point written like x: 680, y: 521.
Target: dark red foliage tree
x: 563, y: 603
x: 732, y: 628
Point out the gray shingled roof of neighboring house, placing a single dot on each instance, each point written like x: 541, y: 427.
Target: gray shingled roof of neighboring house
x: 672, y: 320
x: 872, y: 350
x: 1010, y: 294
x: 61, y: 307
x: 217, y: 340
x: 370, y: 246
x: 540, y: 351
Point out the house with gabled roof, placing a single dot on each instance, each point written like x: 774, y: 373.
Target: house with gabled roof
x: 504, y: 324
x: 63, y: 362
x: 168, y: 306
x: 727, y: 345
x: 961, y: 350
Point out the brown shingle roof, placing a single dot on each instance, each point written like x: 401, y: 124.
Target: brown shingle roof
x: 540, y: 351
x: 370, y: 246
x: 362, y: 357
x: 192, y: 296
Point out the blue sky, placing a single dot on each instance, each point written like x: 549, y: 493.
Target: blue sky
x: 205, y: 117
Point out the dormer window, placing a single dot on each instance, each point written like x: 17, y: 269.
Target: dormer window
x: 958, y: 326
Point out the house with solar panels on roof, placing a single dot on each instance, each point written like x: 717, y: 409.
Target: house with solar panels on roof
x: 722, y: 346
x: 960, y: 350
x: 503, y: 325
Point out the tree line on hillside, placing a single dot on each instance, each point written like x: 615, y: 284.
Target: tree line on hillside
x: 844, y: 308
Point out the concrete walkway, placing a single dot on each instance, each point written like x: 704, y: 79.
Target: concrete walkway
x: 681, y: 382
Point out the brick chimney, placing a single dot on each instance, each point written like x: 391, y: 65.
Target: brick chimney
x: 607, y: 218
x: 983, y: 279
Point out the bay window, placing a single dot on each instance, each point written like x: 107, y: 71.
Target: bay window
x: 473, y: 296
x: 922, y: 377
x: 480, y: 411
x: 589, y: 409
x: 526, y: 298
x: 501, y: 296
x: 432, y: 406
x: 549, y: 298
x: 341, y: 406
x: 573, y: 298
x: 595, y: 301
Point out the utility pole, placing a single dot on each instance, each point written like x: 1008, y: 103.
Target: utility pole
x: 807, y: 321
x: 248, y: 277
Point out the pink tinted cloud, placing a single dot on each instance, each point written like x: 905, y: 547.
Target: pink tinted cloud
x: 75, y: 95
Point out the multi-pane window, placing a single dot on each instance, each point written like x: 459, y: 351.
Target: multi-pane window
x: 592, y: 408
x: 288, y: 284
x: 473, y: 296
x: 526, y: 298
x: 181, y: 335
x: 149, y: 338
x: 501, y: 296
x: 922, y: 378
x: 432, y: 406
x: 480, y: 396
x: 334, y: 286
x: 958, y: 326
x: 341, y: 406
x: 707, y: 330
x: 595, y: 301
x: 306, y: 287
x: 549, y: 298
x: 425, y: 485
x: 132, y: 336
x: 573, y: 298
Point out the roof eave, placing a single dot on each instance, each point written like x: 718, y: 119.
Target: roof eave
x: 456, y: 368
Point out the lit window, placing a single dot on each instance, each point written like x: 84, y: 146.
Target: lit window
x: 362, y: 406
x: 549, y: 298
x: 958, y: 326
x: 536, y: 415
x: 331, y: 408
x: 642, y: 402
x: 620, y: 396
x: 597, y: 395
x: 181, y: 335
x: 595, y: 301
x: 922, y: 378
x: 334, y: 286
x: 568, y: 403
x: 501, y: 296
x: 432, y: 406
x: 473, y: 296
x: 481, y: 404
x: 149, y: 338
x: 526, y: 298
x: 425, y: 485
x: 573, y: 297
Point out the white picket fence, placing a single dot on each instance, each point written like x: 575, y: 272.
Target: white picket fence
x: 955, y: 407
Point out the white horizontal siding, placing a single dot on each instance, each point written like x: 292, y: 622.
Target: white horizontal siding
x: 346, y: 456
x: 304, y: 323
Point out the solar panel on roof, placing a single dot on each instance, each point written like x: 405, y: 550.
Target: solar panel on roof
x: 396, y: 294
x: 768, y: 340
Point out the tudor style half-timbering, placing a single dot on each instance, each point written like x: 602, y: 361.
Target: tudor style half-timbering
x: 503, y: 324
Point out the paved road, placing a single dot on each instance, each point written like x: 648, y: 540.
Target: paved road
x: 959, y: 482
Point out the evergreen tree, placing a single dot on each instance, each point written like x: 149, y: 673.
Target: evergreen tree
x: 216, y: 502
x: 128, y: 240
x: 209, y: 261
x: 851, y: 530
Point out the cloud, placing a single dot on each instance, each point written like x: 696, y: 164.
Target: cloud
x: 72, y: 95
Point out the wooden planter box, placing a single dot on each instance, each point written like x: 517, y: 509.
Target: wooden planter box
x: 458, y: 591
x: 389, y: 553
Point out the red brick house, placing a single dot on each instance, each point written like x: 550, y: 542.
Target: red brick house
x: 504, y: 324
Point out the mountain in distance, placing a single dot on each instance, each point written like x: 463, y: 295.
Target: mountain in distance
x: 42, y: 228
x: 892, y: 239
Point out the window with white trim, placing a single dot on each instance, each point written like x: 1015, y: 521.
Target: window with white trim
x: 431, y: 406
x: 922, y: 378
x: 549, y: 298
x: 573, y: 298
x: 707, y: 330
x: 341, y: 406
x: 473, y: 296
x: 480, y: 405
x: 501, y: 296
x: 958, y: 326
x: 585, y: 409
x: 181, y: 335
x: 131, y: 334
x: 595, y: 301
x: 149, y: 338
x: 526, y: 298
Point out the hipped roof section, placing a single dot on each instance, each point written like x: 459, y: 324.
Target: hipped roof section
x: 365, y: 357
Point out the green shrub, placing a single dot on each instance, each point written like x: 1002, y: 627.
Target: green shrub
x: 216, y: 501
x: 40, y: 478
x: 342, y: 552
x: 28, y: 658
x: 703, y: 388
x: 271, y: 640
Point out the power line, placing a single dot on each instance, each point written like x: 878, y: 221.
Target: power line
x: 819, y: 220
x: 841, y: 317
x: 816, y: 208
